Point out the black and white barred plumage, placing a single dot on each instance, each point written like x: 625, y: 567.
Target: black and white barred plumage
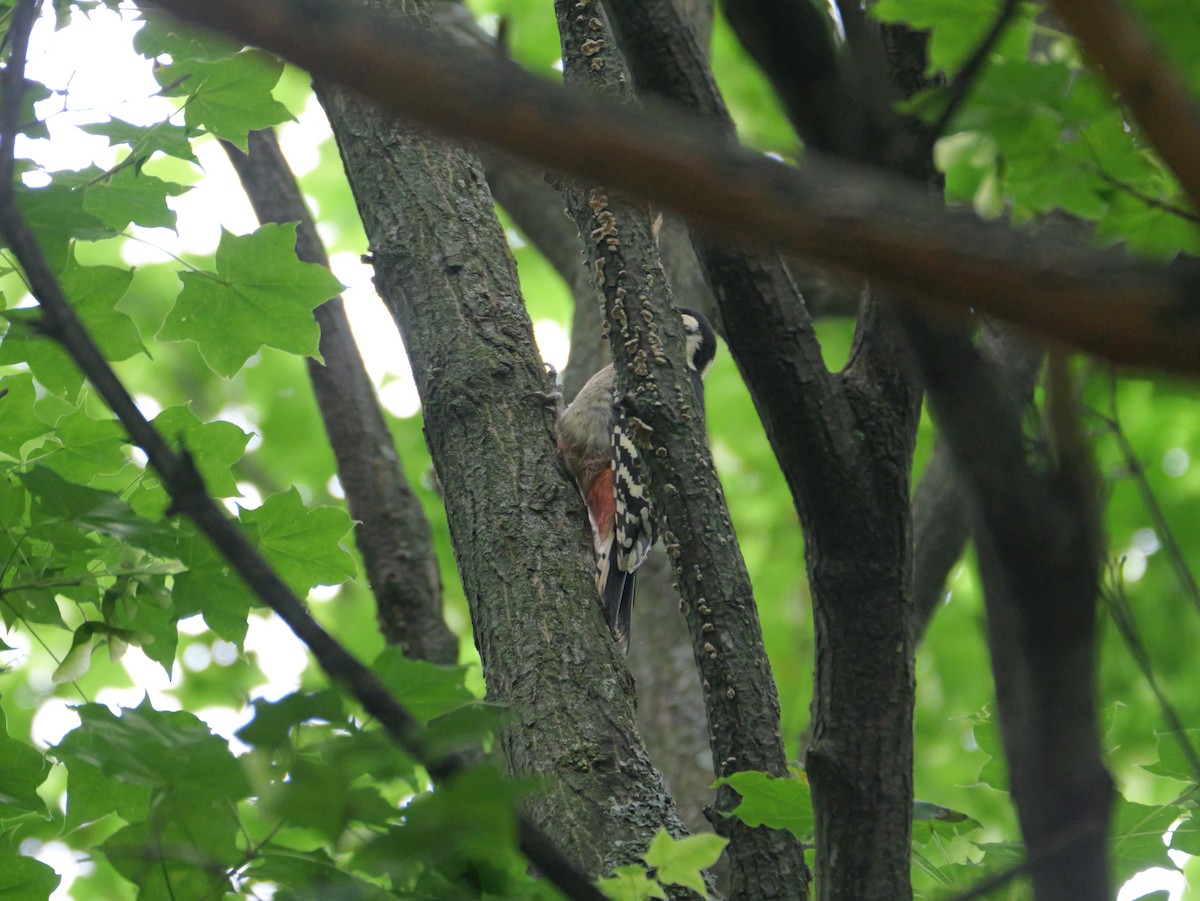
x: 596, y: 442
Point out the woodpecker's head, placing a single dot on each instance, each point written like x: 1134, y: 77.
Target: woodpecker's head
x: 701, y: 341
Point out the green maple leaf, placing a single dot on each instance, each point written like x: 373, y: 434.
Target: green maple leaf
x: 631, y: 883
x: 681, y: 861
x: 132, y: 196
x: 91, y: 796
x: 211, y: 587
x: 274, y: 720
x: 214, y: 446
x: 93, y: 292
x: 425, y: 689
x: 228, y: 97
x: 302, y: 542
x: 163, y: 749
x: 90, y: 447
x: 57, y: 501
x: 161, y: 36
x: 34, y: 92
x: 145, y: 141
x: 22, y: 770
x: 185, y: 850
x: 778, y: 803
x: 18, y: 422
x: 56, y: 215
x: 259, y: 295
x: 1172, y: 760
x: 23, y: 878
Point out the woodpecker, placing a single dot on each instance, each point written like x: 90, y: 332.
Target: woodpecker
x: 599, y: 451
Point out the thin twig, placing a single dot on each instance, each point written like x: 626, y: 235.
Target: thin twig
x: 1152, y: 202
x: 957, y: 92
x: 1122, y: 615
x: 185, y: 486
x: 24, y: 15
x: 1162, y: 528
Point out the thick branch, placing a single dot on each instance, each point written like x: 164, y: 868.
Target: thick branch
x: 795, y: 37
x: 766, y: 319
x: 445, y: 272
x: 392, y: 532
x: 1037, y: 535
x: 941, y: 506
x: 844, y: 444
x: 1158, y: 98
x: 183, y: 483
x: 670, y: 704
x: 739, y: 691
x: 834, y: 212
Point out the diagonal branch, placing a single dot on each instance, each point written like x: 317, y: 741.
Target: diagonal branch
x: 836, y: 212
x: 965, y: 78
x: 185, y: 486
x: 392, y: 532
x: 1150, y: 85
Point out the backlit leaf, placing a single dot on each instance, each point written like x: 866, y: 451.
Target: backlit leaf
x: 157, y: 748
x: 228, y: 97
x: 682, y: 861
x: 22, y: 770
x: 259, y: 295
x: 302, y: 543
x: 23, y: 878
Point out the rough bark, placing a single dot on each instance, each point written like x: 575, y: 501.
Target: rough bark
x: 844, y: 444
x: 670, y: 701
x: 670, y: 708
x: 391, y: 530
x: 739, y: 693
x: 1038, y: 540
x: 444, y: 270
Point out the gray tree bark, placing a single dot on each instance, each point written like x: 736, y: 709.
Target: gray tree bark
x: 740, y: 699
x: 444, y: 270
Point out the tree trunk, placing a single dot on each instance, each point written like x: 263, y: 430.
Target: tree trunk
x: 520, y: 536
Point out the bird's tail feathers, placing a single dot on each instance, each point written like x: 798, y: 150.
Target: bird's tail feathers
x: 615, y: 586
